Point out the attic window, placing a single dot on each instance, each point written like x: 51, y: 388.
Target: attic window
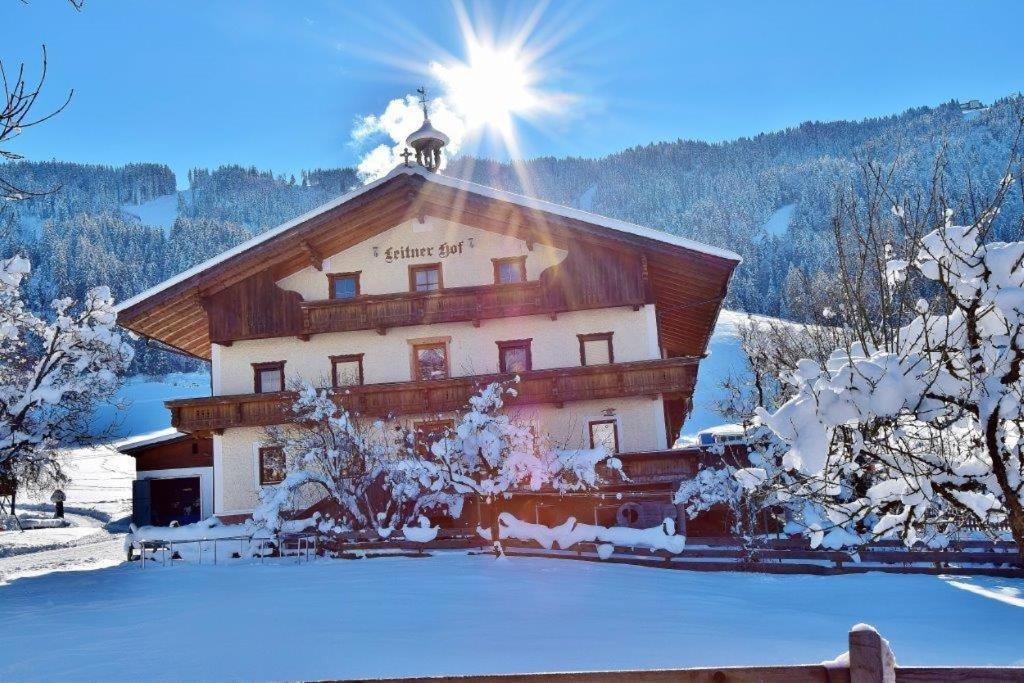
x: 425, y: 278
x: 343, y: 285
x: 509, y: 270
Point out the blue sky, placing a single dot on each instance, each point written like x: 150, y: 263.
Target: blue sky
x: 280, y: 85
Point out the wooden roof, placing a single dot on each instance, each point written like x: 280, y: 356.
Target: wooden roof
x: 689, y: 279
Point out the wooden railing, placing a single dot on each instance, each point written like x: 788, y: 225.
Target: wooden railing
x: 457, y: 304
x: 555, y: 386
x: 868, y: 659
x: 652, y: 467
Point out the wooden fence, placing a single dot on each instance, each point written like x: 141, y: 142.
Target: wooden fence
x: 869, y: 661
x: 789, y: 556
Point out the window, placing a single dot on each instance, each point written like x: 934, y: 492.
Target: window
x: 596, y: 349
x: 604, y: 434
x: 430, y: 360
x: 425, y: 278
x: 509, y: 270
x: 347, y: 370
x: 343, y: 285
x: 268, y: 377
x: 514, y: 355
x: 430, y: 432
x: 272, y: 466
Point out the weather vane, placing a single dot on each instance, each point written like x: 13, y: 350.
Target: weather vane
x: 422, y: 90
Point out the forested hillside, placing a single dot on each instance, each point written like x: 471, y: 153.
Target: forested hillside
x: 725, y: 194
x: 769, y: 197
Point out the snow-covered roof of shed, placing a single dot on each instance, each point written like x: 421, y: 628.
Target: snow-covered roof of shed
x: 454, y: 183
x: 151, y: 439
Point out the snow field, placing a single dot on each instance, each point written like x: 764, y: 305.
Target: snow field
x: 455, y: 613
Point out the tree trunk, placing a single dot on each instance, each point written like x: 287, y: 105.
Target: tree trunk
x: 1016, y: 521
x: 1014, y: 508
x: 495, y: 507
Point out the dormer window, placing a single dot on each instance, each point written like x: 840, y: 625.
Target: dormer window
x: 343, y: 285
x: 425, y: 278
x: 509, y: 270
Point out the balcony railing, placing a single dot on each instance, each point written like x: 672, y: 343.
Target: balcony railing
x: 455, y: 304
x: 555, y: 386
x: 656, y: 467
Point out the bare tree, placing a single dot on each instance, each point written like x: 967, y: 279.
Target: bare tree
x: 18, y: 112
x: 910, y: 425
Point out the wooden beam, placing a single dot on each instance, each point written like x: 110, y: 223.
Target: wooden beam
x: 316, y: 260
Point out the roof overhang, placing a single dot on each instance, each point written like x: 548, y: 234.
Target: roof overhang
x: 689, y: 278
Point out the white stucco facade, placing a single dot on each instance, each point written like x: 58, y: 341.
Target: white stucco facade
x: 640, y: 423
x: 467, y: 258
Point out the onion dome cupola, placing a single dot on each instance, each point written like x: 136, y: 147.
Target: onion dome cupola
x: 427, y: 141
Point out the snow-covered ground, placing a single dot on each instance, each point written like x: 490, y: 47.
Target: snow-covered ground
x: 778, y: 223
x: 159, y: 211
x: 724, y: 357
x: 97, y: 507
x: 455, y: 613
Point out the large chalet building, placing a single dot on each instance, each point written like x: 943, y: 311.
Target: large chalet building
x: 412, y: 291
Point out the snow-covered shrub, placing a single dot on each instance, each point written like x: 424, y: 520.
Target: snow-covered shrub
x: 368, y: 470
x: 377, y: 476
x: 54, y: 370
x: 492, y: 455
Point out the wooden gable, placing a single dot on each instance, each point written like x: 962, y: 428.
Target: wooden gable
x: 237, y: 298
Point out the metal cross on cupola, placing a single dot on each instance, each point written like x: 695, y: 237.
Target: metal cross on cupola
x: 427, y: 141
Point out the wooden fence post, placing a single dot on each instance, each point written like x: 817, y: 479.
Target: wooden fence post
x: 871, y: 660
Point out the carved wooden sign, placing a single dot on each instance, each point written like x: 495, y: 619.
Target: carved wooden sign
x: 441, y: 251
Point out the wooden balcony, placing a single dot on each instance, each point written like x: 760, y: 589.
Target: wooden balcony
x: 457, y: 304
x: 656, y: 467
x: 555, y: 386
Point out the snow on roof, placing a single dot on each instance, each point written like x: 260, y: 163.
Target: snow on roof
x: 580, y: 215
x: 465, y: 185
x: 151, y: 439
x: 724, y: 430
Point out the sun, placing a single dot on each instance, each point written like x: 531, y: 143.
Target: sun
x: 503, y: 77
x: 491, y: 88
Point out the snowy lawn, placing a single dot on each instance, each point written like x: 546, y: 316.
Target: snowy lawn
x: 33, y: 540
x: 455, y: 613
